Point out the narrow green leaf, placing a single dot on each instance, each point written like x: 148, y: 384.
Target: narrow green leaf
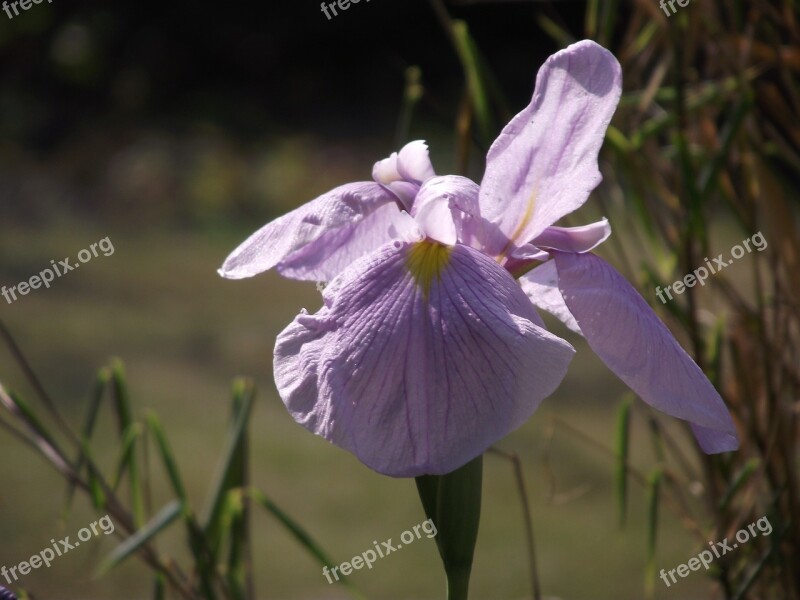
x: 122, y: 406
x: 226, y: 476
x: 653, y: 499
x: 644, y: 38
x: 609, y: 13
x: 235, y: 519
x: 457, y: 500
x: 95, y: 400
x: 617, y: 140
x: 301, y: 535
x: 127, y: 448
x: 714, y: 360
x: 159, y: 589
x: 412, y: 94
x: 95, y: 488
x: 751, y: 577
x: 747, y: 470
x: 562, y: 37
x: 710, y: 174
x: 166, y: 456
x: 204, y: 562
x: 622, y: 445
x: 163, y: 518
x: 590, y: 21
x: 26, y: 414
x: 470, y: 62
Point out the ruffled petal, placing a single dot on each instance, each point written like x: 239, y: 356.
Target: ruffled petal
x: 628, y: 336
x: 403, y: 172
x: 422, y: 357
x: 414, y: 162
x: 544, y: 163
x: 541, y: 286
x: 342, y: 225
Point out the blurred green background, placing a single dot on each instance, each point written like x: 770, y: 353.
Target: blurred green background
x: 176, y: 129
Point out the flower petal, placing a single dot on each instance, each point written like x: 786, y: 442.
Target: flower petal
x: 422, y: 357
x: 331, y: 225
x: 412, y: 164
x: 326, y: 257
x: 436, y: 220
x: 541, y: 286
x: 447, y: 210
x: 628, y: 336
x: 544, y: 163
x: 574, y: 239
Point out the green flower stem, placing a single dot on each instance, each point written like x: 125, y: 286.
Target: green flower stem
x: 453, y: 503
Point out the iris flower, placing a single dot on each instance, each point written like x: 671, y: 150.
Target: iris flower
x: 427, y: 350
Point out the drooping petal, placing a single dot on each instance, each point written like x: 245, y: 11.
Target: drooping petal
x: 541, y: 286
x: 574, y: 239
x: 712, y: 441
x: 422, y: 357
x: 336, y: 225
x: 628, y: 336
x: 544, y: 163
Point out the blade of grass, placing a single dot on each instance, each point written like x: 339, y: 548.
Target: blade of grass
x: 167, y: 457
x: 744, y: 474
x: 244, y: 394
x: 654, y: 497
x: 468, y: 55
x: 125, y: 423
x: 99, y: 388
x: 302, y: 537
x: 238, y: 517
x: 162, y: 519
x: 622, y: 446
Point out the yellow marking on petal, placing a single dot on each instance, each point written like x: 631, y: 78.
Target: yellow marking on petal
x: 526, y: 217
x: 425, y: 261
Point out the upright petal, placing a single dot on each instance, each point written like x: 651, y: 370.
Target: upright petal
x: 339, y: 226
x: 628, y: 336
x: 544, y: 163
x: 447, y: 210
x: 422, y: 357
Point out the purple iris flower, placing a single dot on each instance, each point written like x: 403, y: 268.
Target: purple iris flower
x: 427, y: 350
